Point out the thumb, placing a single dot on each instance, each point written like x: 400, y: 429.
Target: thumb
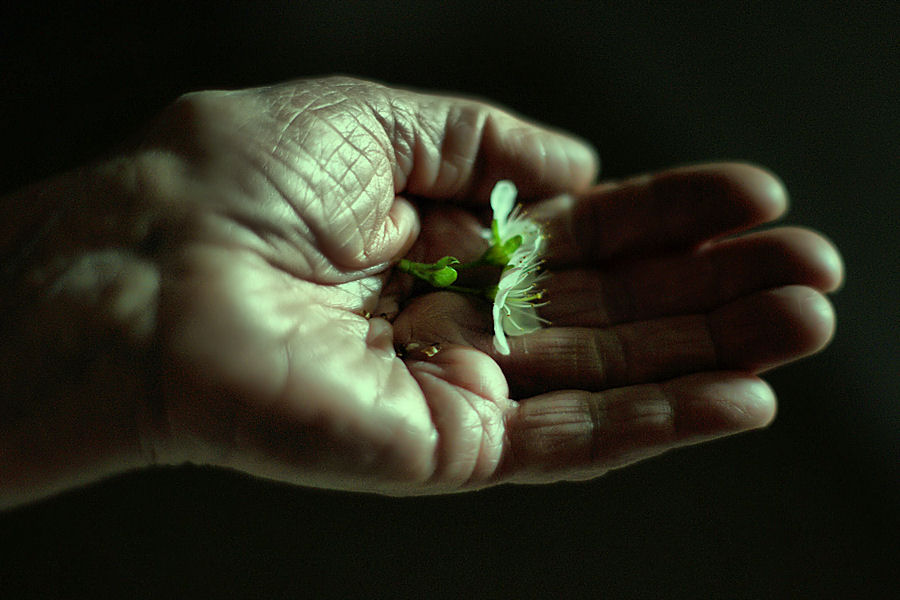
x: 373, y: 144
x: 458, y: 148
x: 444, y: 147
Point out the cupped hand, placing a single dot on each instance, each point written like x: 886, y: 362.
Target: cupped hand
x: 663, y: 311
x: 267, y: 221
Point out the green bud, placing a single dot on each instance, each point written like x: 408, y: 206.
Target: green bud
x: 442, y: 277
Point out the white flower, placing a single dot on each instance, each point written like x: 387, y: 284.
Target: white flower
x: 510, y: 221
x: 517, y: 297
x: 516, y: 302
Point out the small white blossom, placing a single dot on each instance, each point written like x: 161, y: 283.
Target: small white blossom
x: 517, y: 297
x: 516, y: 302
x: 510, y: 221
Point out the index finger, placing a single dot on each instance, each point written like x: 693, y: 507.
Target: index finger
x: 671, y: 210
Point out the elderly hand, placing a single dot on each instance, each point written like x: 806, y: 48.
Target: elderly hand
x: 207, y: 295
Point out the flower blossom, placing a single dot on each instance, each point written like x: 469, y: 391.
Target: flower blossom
x: 510, y: 222
x: 520, y: 242
x: 516, y: 300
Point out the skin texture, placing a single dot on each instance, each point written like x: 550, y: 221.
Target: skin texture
x: 204, y: 295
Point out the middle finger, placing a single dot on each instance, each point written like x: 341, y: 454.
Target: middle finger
x: 752, y: 334
x: 692, y: 282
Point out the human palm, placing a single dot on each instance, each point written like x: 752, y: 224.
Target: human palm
x: 277, y: 215
x: 282, y: 322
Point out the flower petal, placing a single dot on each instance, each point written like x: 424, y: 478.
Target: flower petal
x: 503, y: 198
x: 500, y: 343
x: 521, y: 320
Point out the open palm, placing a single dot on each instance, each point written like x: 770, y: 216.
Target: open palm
x: 279, y: 314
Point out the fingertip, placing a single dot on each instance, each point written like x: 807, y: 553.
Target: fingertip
x: 758, y: 405
x: 772, y: 328
x: 762, y: 188
x: 832, y: 267
x: 820, y: 258
x: 819, y: 318
x: 583, y: 160
x: 804, y: 317
x: 810, y: 317
x: 828, y: 263
x: 541, y: 161
x: 714, y: 404
x: 564, y: 163
x: 791, y: 255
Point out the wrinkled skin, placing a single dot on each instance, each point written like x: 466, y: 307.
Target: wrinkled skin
x: 207, y: 294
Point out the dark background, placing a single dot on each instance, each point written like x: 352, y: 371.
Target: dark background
x: 806, y: 508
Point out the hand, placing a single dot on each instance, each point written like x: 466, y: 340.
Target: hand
x: 224, y: 271
x: 663, y: 308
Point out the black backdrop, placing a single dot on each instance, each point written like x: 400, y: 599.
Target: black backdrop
x: 806, y: 508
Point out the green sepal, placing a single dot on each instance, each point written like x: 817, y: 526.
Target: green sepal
x: 446, y: 262
x: 499, y: 254
x: 512, y: 244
